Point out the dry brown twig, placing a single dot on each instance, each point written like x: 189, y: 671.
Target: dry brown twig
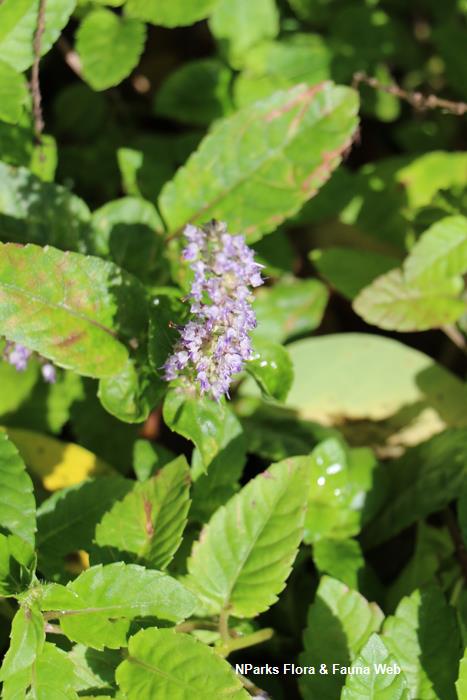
x: 416, y: 99
x: 35, y: 82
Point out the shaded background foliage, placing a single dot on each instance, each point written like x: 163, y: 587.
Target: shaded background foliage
x: 155, y: 114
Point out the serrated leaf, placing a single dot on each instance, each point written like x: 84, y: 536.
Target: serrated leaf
x: 425, y: 479
x: 69, y: 308
x: 55, y: 463
x: 349, y: 270
x: 49, y: 214
x: 66, y: 521
x: 377, y: 684
x: 13, y: 93
x: 17, y: 565
x: 246, y: 551
x: 109, y: 47
x: 155, y: 514
x: 351, y: 388
x: 272, y: 369
x: 18, y: 22
x: 392, y: 303
x: 50, y: 678
x: 163, y: 664
x: 340, y: 621
x: 169, y: 13
x: 103, y: 600
x: 440, y: 253
x: 27, y: 638
x: 17, y: 502
x: 240, y: 25
x: 196, y: 93
x: 429, y: 661
x: 289, y: 143
x: 291, y: 307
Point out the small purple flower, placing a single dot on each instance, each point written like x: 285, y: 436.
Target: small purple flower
x: 49, y: 373
x: 18, y: 356
x: 215, y: 344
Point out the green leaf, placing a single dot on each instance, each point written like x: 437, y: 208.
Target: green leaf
x: 433, y: 551
x: 155, y: 515
x: 392, y: 303
x: 109, y: 47
x: 274, y: 432
x: 131, y: 394
x: 16, y: 386
x: 385, y: 684
x: 196, y: 93
x: 278, y: 65
x: 425, y: 479
x: 66, y: 521
x: 27, y: 640
x: 428, y: 660
x: 245, y: 552
x: 149, y: 457
x: 345, y: 490
x: 50, y: 678
x: 49, y: 214
x: 449, y: 37
x: 47, y: 407
x: 341, y: 559
x: 124, y: 231
x: 462, y: 511
x: 272, y: 369
x: 291, y: 307
x: 199, y: 419
x: 214, y: 488
x: 240, y: 25
x: 349, y: 270
x: 97, y: 608
x: 169, y: 13
x: 17, y: 502
x: 351, y: 388
x: 17, y: 565
x: 94, y: 670
x: 69, y: 308
x: 340, y: 621
x: 461, y: 683
x: 44, y: 158
x: 13, y: 93
x: 163, y: 664
x: 290, y: 143
x: 18, y: 22
x: 440, y: 253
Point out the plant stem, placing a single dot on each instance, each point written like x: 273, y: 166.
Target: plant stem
x: 248, y: 640
x: 35, y: 83
x: 224, y: 625
x: 456, y: 536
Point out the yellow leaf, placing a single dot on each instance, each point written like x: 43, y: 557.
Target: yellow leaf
x: 57, y: 464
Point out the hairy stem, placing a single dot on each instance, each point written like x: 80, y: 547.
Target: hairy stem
x: 416, y: 99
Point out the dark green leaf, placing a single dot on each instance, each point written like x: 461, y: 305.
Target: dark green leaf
x: 17, y: 503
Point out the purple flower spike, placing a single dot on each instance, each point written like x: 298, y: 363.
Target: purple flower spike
x: 215, y: 344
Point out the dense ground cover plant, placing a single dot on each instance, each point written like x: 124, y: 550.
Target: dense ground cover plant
x: 233, y: 410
